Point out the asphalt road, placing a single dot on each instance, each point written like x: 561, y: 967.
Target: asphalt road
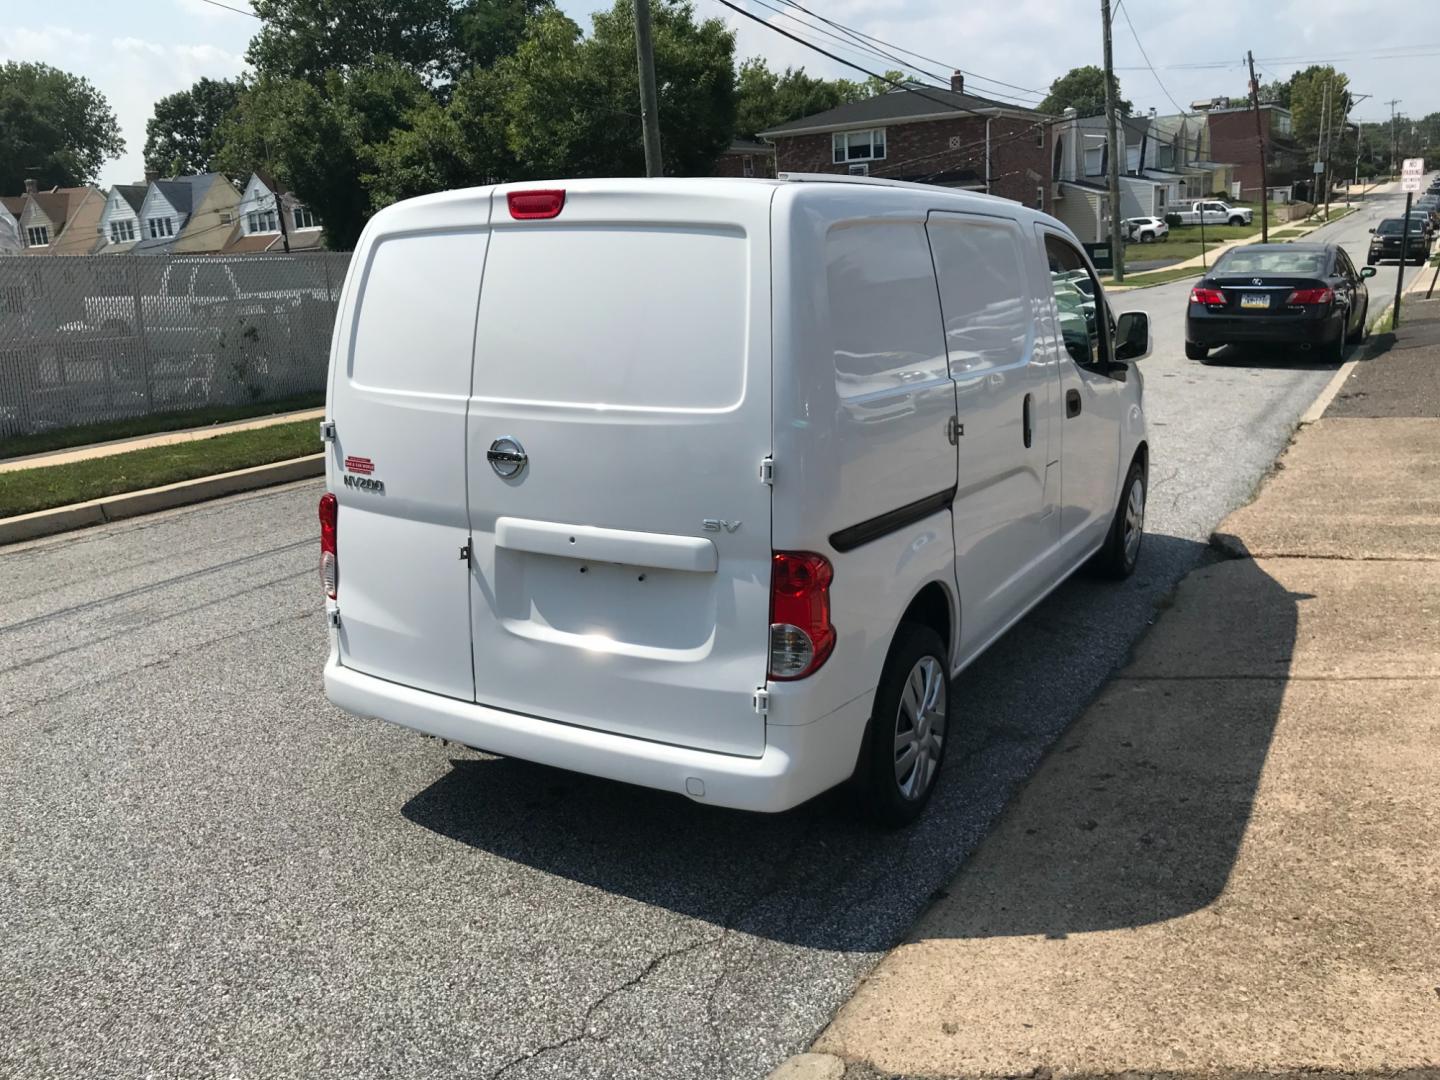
x: 206, y: 871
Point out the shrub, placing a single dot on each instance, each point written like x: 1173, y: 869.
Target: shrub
x: 1173, y: 220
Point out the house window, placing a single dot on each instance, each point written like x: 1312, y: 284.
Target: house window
x: 258, y: 221
x: 38, y: 235
x: 1040, y: 196
x: 161, y: 227
x: 306, y: 219
x: 858, y: 145
x: 747, y: 166
x: 122, y: 232
x: 1040, y: 136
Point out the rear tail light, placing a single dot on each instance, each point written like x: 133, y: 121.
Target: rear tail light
x: 535, y: 205
x: 1311, y: 296
x: 801, y: 637
x: 329, y: 562
x: 1206, y: 296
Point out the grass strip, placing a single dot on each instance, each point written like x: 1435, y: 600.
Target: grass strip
x: 63, y: 438
x: 24, y: 491
x: 1155, y: 277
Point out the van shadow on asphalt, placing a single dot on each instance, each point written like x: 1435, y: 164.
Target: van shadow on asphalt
x: 820, y: 877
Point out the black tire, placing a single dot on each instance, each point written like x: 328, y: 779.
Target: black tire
x: 1118, y: 558
x: 1237, y: 220
x: 1147, y: 238
x: 882, y: 797
x: 1356, y: 336
x: 1196, y: 352
x: 1333, y: 352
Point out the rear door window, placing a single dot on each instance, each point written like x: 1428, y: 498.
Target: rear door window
x: 617, y: 317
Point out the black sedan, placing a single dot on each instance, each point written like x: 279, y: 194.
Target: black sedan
x: 1385, y: 243
x: 1308, y: 295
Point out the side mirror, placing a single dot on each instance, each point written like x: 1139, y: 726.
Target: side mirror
x: 1372, y: 230
x: 1132, y: 336
x: 1367, y: 271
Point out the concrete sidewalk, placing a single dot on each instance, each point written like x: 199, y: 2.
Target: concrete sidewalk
x: 1230, y: 865
x: 163, y: 438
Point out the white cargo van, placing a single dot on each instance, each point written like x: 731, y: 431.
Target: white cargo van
x: 711, y: 485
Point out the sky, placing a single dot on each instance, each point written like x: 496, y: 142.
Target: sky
x: 139, y: 51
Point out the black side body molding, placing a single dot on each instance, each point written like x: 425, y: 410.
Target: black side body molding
x: 853, y: 536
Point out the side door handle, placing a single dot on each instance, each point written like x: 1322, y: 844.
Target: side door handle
x: 1025, y: 420
x: 1072, y: 403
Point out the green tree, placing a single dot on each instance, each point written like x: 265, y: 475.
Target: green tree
x: 765, y: 100
x: 183, y: 135
x: 55, y: 127
x: 323, y: 141
x: 1081, y: 89
x: 436, y: 39
x: 1307, y: 102
x: 568, y: 105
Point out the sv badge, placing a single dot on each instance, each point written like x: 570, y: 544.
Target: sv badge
x: 717, y: 524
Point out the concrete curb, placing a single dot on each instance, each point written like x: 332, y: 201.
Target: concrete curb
x: 1321, y: 403
x: 134, y: 503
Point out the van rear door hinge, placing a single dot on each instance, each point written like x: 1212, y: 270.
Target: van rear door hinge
x: 333, y: 616
x: 327, y: 430
x: 465, y: 552
x: 767, y: 470
x: 761, y: 701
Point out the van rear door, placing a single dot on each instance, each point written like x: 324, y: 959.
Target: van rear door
x: 621, y: 526
x: 400, y: 377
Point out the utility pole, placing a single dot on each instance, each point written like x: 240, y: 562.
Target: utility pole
x: 649, y: 108
x: 1322, y: 150
x: 1392, y: 103
x: 1117, y: 246
x: 1260, y: 151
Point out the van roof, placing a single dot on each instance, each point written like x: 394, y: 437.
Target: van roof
x: 801, y: 187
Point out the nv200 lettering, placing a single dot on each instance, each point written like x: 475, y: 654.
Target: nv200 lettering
x: 741, y: 473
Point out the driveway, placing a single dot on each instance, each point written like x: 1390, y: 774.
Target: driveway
x: 208, y: 871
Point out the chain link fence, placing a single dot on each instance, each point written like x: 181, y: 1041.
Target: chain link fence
x: 91, y: 338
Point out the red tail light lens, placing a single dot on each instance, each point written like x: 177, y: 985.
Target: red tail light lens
x: 1206, y: 296
x: 535, y: 205
x: 1311, y: 296
x: 329, y: 561
x: 801, y: 637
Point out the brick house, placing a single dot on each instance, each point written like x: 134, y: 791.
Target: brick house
x: 945, y: 137
x: 746, y: 158
x: 1232, y: 139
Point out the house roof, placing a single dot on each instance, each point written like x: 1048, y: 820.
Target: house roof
x: 276, y: 188
x: 177, y: 193
x: 749, y: 146
x: 239, y: 244
x: 14, y: 203
x: 1162, y: 174
x: 1087, y: 185
x: 134, y: 194
x: 895, y: 107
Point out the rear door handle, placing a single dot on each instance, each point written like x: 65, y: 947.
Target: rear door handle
x: 1025, y: 420
x: 1072, y: 403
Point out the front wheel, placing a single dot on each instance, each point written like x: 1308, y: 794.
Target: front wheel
x: 1121, y: 552
x: 1147, y: 238
x: 1356, y: 336
x: 1196, y: 352
x: 909, y: 728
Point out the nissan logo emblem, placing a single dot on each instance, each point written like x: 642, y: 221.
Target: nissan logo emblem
x: 507, y: 457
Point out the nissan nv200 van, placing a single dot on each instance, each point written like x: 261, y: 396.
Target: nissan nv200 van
x: 713, y: 485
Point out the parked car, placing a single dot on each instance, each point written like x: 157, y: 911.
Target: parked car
x: 1428, y: 204
x: 1308, y: 295
x: 1421, y: 220
x: 1215, y: 213
x: 1147, y: 230
x: 1386, y: 238
x: 673, y: 497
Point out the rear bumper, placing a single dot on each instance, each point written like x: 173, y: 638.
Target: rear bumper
x: 799, y: 761
x: 1277, y: 330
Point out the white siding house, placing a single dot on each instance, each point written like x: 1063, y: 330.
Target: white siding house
x: 120, y: 223
x: 258, y: 224
x: 160, y: 218
x: 9, y: 232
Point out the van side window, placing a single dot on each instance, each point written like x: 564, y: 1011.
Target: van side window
x: 1075, y: 290
x: 884, y: 317
x: 983, y: 293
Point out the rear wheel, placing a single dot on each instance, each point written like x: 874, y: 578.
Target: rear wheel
x: 1121, y: 552
x: 1237, y: 220
x: 908, y: 728
x: 1333, y: 352
x: 1196, y: 352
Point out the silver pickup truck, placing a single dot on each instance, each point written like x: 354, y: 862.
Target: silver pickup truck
x: 1214, y: 213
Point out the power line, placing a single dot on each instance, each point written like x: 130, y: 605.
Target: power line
x: 1151, y: 66
x: 908, y: 52
x: 848, y: 63
x: 227, y: 7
